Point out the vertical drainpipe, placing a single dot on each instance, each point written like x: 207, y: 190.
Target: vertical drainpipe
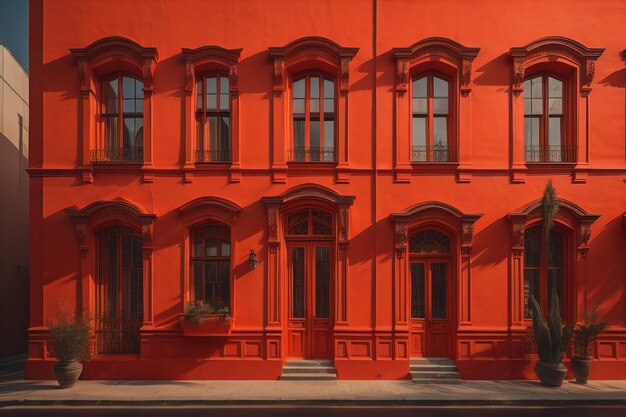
x: 374, y: 153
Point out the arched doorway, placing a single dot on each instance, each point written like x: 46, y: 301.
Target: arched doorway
x: 310, y: 241
x: 431, y: 284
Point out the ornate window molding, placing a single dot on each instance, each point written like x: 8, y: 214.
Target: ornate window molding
x: 568, y: 58
x: 201, y: 213
x: 575, y: 224
x: 306, y: 54
x: 307, y: 195
x: 455, y: 62
x: 459, y: 226
x: 100, y: 215
x: 200, y: 61
x: 103, y: 58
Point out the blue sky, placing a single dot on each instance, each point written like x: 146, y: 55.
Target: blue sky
x: 14, y: 28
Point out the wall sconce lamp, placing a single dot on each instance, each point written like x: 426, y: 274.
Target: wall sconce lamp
x: 252, y: 260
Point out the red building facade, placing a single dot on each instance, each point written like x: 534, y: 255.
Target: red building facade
x: 350, y: 181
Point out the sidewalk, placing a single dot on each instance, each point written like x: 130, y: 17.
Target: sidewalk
x: 318, y: 393
x: 15, y: 391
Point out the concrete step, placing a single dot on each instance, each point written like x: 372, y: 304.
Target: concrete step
x: 441, y: 368
x: 434, y: 375
x: 308, y: 377
x: 309, y: 362
x: 288, y: 369
x: 432, y: 361
x: 437, y: 381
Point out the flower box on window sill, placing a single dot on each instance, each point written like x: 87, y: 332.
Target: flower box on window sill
x: 210, y: 325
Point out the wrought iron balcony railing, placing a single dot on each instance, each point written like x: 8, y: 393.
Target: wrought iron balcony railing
x: 312, y: 155
x: 213, y: 156
x: 435, y: 154
x: 117, y: 155
x: 118, y: 335
x: 551, y: 154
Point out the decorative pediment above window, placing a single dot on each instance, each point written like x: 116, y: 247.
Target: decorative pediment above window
x: 553, y: 49
x: 312, y: 52
x: 120, y: 212
x: 116, y: 54
x: 205, y: 208
x: 211, y: 58
x: 441, y: 50
x: 432, y: 213
x: 569, y: 214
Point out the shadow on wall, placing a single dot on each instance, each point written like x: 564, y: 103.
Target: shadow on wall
x: 14, y: 265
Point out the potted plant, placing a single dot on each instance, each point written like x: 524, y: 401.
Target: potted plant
x: 551, y: 340
x: 69, y: 335
x: 204, y: 319
x: 584, y: 335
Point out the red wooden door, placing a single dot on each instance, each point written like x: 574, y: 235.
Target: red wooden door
x: 310, y: 283
x: 431, y: 321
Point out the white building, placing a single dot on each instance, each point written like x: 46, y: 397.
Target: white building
x: 13, y: 204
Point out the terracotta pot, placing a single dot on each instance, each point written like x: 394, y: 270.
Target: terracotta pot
x: 581, y: 369
x: 67, y: 372
x: 550, y: 374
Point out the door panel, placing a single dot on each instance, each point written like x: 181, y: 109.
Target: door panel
x: 310, y: 312
x: 430, y: 308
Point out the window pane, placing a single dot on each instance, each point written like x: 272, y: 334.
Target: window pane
x: 197, y: 246
x: 110, y: 92
x: 298, y: 89
x: 439, y: 272
x: 531, y: 138
x: 531, y: 287
x: 128, y: 88
x: 199, y: 95
x: 298, y: 139
x: 110, y: 133
x: 224, y: 85
x: 225, y: 249
x: 555, y: 106
x: 555, y: 88
x: 211, y: 102
x: 329, y: 107
x: 419, y: 137
x: 329, y: 89
x: 212, y: 122
x: 315, y: 134
x: 441, y: 138
x: 329, y: 139
x: 297, y: 282
x: 197, y: 281
x: 314, y: 106
x: 527, y: 89
x: 441, y: 87
x: 128, y: 105
x: 132, y: 128
x: 417, y: 291
x: 315, y: 87
x: 532, y: 247
x: 211, y: 85
x: 210, y: 247
x: 528, y: 103
x: 298, y: 106
x: 419, y: 88
x: 138, y: 89
x: 555, y: 132
x: 420, y: 106
x: 224, y: 139
x: 225, y: 101
x: 536, y: 87
x: 440, y: 105
x: 536, y: 106
x: 322, y: 282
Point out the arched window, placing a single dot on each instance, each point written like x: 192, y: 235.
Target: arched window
x: 431, y: 110
x: 313, y: 118
x: 543, y: 268
x: 310, y: 222
x: 213, y: 118
x: 122, y: 118
x: 544, y: 120
x: 119, y: 289
x: 210, y: 265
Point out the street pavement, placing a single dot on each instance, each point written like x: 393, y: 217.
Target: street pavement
x: 309, y: 398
